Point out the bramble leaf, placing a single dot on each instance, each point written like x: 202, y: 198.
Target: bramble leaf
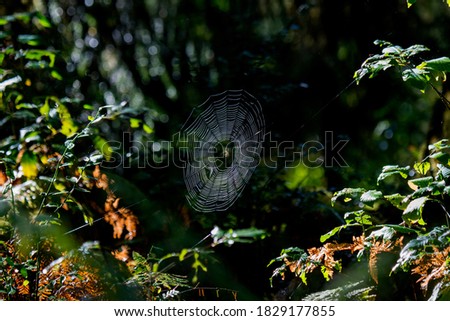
x: 389, y: 170
x: 370, y: 197
x: 413, y: 212
x: 347, y: 193
x: 331, y: 233
x: 397, y: 200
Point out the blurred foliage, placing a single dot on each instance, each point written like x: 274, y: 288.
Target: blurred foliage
x: 91, y: 90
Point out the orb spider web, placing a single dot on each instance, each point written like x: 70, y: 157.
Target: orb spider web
x: 222, y: 142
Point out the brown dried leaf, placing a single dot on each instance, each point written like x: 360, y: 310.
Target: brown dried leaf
x: 431, y: 266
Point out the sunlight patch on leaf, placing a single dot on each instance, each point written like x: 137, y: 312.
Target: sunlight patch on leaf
x: 413, y: 212
x: 370, y: 197
x: 390, y: 170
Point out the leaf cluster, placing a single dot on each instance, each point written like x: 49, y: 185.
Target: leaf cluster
x: 416, y: 238
x: 418, y: 75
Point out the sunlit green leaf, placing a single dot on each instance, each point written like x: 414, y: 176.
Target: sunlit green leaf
x: 360, y: 217
x: 230, y: 236
x: 38, y: 54
x: 441, y: 156
x: 56, y: 75
x: 45, y: 109
x: 147, y: 129
x: 23, y: 16
x: 390, y: 170
x: 348, y: 194
x: 331, y: 233
x: 438, y: 64
x: 135, y: 122
x: 68, y: 126
x: 370, y: 197
x: 442, y: 144
x: 384, y: 233
x: 6, y: 19
x: 103, y: 146
x: 418, y: 78
x: 421, y: 182
x: 422, y: 167
x: 410, y: 2
x: 413, y: 212
x: 396, y: 200
x: 43, y: 21
x: 31, y: 40
x: 444, y: 171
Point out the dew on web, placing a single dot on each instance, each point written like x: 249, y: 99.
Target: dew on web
x: 222, y: 144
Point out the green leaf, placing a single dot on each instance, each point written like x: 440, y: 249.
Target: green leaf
x: 360, y: 217
x: 56, y: 75
x: 421, y: 182
x: 38, y: 54
x: 438, y: 146
x: 231, y: 236
x: 444, y: 171
x: 103, y: 146
x: 331, y: 233
x: 384, y: 233
x: 422, y: 168
x: 183, y: 254
x: 147, y: 129
x: 135, y: 122
x: 348, y: 194
x: 402, y: 229
x: 31, y: 40
x: 43, y: 21
x: 45, y: 109
x: 390, y: 170
x: 23, y: 16
x: 441, y: 156
x: 438, y: 64
x: 6, y: 19
x: 68, y: 126
x: 397, y: 200
x: 370, y: 197
x: 413, y: 212
x: 418, y: 78
x: 410, y: 2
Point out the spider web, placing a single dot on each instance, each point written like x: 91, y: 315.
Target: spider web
x: 222, y: 144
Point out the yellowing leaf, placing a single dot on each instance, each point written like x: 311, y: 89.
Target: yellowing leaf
x: 68, y: 126
x: 45, y: 109
x: 183, y: 254
x: 59, y: 186
x: 103, y: 146
x: 147, y: 129
x: 135, y: 123
x: 29, y: 164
